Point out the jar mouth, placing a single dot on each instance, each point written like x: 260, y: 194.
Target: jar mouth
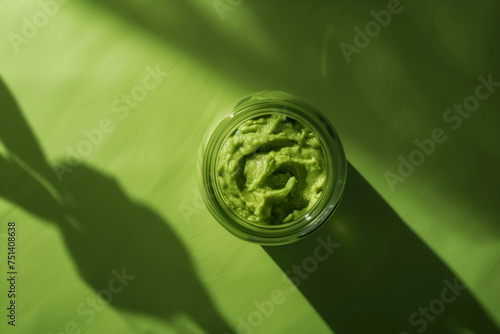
x: 259, y: 105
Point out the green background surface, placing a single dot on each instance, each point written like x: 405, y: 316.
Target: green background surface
x: 131, y: 201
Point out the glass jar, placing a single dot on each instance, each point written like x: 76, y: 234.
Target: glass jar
x: 262, y: 104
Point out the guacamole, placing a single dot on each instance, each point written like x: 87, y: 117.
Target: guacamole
x: 271, y: 169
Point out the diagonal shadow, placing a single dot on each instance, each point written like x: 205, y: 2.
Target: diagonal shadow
x: 380, y: 274
x: 124, y: 250
x: 184, y: 25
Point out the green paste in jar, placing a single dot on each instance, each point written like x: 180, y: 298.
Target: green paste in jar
x: 271, y: 169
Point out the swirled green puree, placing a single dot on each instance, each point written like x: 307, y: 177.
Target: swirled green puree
x: 271, y: 170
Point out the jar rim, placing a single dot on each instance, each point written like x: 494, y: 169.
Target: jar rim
x: 250, y: 107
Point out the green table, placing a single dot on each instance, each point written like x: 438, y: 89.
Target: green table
x: 103, y: 106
